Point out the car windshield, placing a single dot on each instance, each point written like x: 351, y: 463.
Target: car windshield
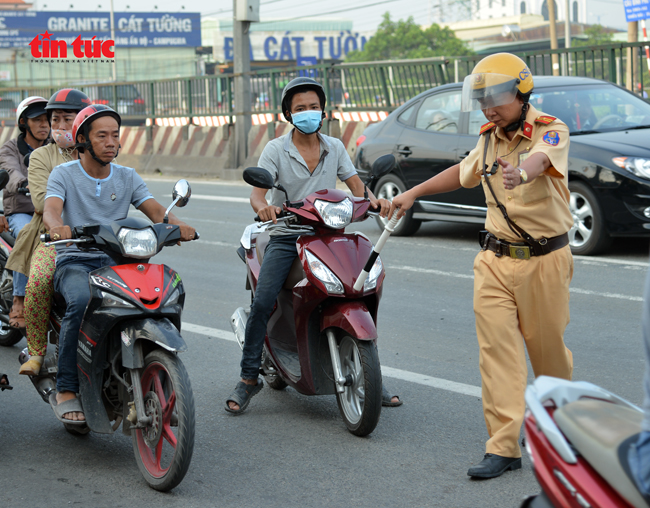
x: 593, y: 108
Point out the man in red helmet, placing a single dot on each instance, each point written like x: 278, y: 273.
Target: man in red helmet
x: 90, y: 190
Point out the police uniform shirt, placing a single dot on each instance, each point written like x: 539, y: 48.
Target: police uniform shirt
x: 541, y: 206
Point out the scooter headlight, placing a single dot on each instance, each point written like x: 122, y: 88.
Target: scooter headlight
x: 335, y: 215
x: 111, y: 301
x: 373, y: 276
x: 324, y: 274
x: 138, y: 243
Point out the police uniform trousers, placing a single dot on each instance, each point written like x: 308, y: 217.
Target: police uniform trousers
x: 519, y: 301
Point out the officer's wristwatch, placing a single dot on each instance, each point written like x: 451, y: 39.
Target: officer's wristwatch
x: 523, y: 175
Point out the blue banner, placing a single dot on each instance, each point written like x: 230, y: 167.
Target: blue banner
x: 636, y: 9
x: 132, y: 29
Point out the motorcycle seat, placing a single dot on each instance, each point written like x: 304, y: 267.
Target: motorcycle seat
x: 600, y: 432
x: 296, y: 273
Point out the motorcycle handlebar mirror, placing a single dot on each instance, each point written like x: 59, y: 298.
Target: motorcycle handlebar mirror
x: 182, y: 191
x: 382, y: 165
x: 258, y: 177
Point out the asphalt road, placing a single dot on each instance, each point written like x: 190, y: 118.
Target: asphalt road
x: 292, y: 450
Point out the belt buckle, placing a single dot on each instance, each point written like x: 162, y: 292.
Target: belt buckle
x: 519, y: 251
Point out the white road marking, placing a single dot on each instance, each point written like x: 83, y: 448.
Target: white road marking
x: 404, y: 375
x: 220, y: 244
x: 594, y: 260
x: 467, y: 276
x: 229, y: 199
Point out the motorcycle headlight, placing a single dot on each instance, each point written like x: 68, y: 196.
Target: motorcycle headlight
x: 373, y: 276
x: 111, y: 301
x: 635, y: 165
x: 335, y: 215
x: 173, y: 298
x: 138, y: 243
x: 324, y: 274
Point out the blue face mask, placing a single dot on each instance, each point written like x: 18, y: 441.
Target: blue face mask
x: 307, y: 122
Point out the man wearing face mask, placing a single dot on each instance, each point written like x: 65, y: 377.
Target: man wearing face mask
x: 32, y: 121
x: 29, y: 256
x: 303, y: 161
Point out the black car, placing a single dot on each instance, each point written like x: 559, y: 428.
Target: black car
x: 609, y: 156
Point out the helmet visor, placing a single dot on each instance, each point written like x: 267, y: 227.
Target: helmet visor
x: 487, y: 90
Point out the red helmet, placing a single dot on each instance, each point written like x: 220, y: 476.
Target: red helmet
x: 88, y: 115
x: 68, y: 98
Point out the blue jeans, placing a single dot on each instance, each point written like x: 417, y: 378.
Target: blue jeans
x: 18, y: 221
x: 71, y: 280
x: 278, y: 258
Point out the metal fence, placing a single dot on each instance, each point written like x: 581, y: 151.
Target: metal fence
x: 372, y: 86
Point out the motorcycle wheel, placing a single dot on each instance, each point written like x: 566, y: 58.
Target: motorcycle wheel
x: 360, y: 403
x: 273, y: 380
x: 8, y: 336
x: 163, y: 450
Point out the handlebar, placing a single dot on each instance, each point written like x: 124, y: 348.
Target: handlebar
x: 46, y: 238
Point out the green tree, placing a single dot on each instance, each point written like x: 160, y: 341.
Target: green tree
x: 400, y: 40
x: 596, y: 34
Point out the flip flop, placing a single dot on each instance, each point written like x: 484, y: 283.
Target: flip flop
x: 5, y: 386
x: 17, y: 319
x: 242, y: 396
x: 69, y: 406
x: 387, y: 399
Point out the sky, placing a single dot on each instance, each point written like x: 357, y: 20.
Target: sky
x: 366, y: 14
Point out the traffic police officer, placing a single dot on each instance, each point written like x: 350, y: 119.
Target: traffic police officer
x: 523, y: 271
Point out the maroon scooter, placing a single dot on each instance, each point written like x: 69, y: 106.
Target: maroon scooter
x: 322, y: 335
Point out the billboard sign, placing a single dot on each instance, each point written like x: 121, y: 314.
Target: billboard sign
x: 290, y: 45
x: 132, y: 29
x: 636, y: 9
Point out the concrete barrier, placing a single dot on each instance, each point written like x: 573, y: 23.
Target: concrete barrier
x: 194, y: 150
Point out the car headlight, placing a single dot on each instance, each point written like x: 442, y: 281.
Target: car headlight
x: 635, y: 165
x: 335, y: 215
x: 138, y: 243
x: 324, y: 274
x: 111, y: 301
x: 373, y: 276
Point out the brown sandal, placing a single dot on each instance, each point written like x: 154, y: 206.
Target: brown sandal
x: 17, y: 319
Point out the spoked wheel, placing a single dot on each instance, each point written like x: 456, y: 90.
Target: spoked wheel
x: 8, y: 335
x: 273, y: 380
x: 163, y: 450
x: 360, y: 402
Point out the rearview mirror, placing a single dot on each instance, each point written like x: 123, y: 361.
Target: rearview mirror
x: 182, y: 192
x: 258, y: 177
x: 383, y: 165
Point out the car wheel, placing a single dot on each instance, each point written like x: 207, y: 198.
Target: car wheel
x: 587, y: 236
x: 388, y: 187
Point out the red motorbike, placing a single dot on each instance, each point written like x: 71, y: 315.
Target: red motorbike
x: 578, y: 436
x: 322, y: 336
x: 127, y: 355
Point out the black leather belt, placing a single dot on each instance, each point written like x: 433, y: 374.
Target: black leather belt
x: 520, y: 250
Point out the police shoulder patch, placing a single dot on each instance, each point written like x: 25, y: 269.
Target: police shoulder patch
x: 486, y: 127
x: 545, y: 119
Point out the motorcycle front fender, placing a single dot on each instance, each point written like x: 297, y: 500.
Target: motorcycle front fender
x: 352, y: 316
x: 159, y: 331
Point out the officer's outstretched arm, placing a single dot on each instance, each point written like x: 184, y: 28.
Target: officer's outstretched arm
x: 447, y: 181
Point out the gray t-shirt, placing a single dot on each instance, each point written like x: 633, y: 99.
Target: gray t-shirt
x: 282, y: 159
x: 88, y: 200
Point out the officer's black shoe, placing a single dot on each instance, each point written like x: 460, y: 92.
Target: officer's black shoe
x: 493, y: 465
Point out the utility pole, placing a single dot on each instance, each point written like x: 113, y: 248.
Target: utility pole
x: 245, y: 11
x: 632, y: 67
x: 113, y: 38
x: 567, y: 36
x: 553, y: 34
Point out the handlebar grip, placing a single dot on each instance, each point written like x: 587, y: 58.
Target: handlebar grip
x: 45, y: 238
x: 257, y: 218
x: 196, y: 235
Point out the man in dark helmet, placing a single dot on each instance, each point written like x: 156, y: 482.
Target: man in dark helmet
x: 91, y: 190
x: 32, y: 121
x: 303, y: 161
